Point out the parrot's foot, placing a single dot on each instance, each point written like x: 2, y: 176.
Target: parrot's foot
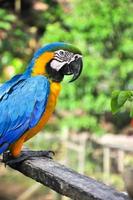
x: 8, y: 159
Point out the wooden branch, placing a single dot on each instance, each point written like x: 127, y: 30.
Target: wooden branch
x: 66, y: 181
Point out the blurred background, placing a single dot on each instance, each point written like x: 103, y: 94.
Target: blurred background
x: 82, y: 131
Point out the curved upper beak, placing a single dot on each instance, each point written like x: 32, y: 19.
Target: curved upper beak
x: 74, y: 68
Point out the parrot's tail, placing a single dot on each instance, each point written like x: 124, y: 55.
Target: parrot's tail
x: 3, y: 147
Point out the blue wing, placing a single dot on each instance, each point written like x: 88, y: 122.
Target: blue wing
x: 21, y: 107
x: 8, y: 85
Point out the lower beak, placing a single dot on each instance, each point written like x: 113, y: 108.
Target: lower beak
x: 74, y: 68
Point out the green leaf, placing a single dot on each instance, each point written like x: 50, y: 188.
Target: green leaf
x: 123, y: 97
x: 114, y: 101
x: 119, y: 98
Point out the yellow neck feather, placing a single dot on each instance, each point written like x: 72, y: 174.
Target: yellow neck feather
x: 40, y: 64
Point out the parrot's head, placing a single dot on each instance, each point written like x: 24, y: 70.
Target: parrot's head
x: 58, y: 59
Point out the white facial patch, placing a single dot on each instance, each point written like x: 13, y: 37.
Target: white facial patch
x: 61, y: 58
x: 57, y: 65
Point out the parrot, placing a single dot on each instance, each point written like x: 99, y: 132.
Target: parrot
x: 28, y: 100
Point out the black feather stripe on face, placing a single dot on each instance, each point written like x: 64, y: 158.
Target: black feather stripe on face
x: 56, y: 76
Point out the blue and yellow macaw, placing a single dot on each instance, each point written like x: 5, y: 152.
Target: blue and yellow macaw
x: 28, y: 100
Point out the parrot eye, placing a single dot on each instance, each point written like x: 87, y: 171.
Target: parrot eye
x: 61, y: 53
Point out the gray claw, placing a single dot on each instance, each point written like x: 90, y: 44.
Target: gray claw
x: 8, y: 159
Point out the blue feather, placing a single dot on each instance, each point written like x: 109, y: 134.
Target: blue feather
x: 23, y: 101
x: 4, y: 147
x: 4, y: 89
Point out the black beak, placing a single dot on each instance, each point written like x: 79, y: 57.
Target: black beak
x: 75, y: 68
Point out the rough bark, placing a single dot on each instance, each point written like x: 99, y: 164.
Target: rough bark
x: 66, y: 181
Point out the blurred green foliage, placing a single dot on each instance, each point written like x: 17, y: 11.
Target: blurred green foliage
x: 103, y: 30
x: 13, y: 44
